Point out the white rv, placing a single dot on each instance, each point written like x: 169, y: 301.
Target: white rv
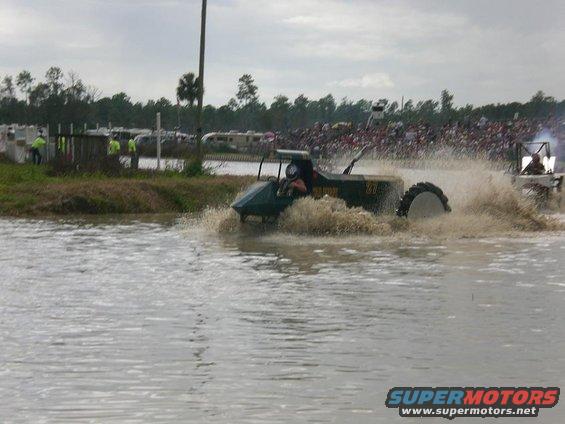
x: 242, y: 142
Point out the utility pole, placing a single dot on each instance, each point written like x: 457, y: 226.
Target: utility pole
x: 201, y: 83
x: 158, y: 141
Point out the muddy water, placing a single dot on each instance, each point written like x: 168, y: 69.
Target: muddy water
x: 164, y: 321
x: 196, y: 319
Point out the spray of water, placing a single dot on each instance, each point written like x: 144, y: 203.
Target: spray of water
x: 220, y: 220
x: 483, y: 200
x: 546, y: 135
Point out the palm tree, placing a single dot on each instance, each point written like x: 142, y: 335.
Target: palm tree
x: 24, y: 81
x: 187, y: 89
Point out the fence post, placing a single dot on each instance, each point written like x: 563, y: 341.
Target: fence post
x: 72, y: 143
x: 48, y: 152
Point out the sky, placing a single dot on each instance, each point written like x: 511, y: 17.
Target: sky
x: 482, y: 51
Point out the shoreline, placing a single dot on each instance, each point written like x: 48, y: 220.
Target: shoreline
x: 28, y: 191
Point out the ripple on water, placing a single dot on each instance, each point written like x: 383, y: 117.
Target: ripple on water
x: 151, y: 322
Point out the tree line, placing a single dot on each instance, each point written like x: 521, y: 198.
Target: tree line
x: 61, y: 98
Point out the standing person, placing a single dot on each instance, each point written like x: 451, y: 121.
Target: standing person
x: 62, y: 145
x: 37, y: 144
x: 132, y: 150
x: 113, y: 147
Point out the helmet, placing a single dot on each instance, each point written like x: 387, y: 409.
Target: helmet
x: 292, y: 172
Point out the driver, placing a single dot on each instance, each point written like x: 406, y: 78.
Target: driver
x: 292, y: 183
x: 535, y: 167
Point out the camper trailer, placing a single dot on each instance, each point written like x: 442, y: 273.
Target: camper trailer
x: 247, y: 142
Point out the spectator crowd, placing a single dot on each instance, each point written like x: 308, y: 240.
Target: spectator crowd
x: 482, y: 138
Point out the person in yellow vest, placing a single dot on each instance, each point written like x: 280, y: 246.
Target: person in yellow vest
x: 132, y: 150
x: 37, y: 144
x: 113, y: 147
x: 62, y: 145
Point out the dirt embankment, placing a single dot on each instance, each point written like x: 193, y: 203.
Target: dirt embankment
x: 33, y: 193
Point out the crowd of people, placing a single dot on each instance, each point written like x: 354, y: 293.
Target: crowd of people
x: 482, y: 138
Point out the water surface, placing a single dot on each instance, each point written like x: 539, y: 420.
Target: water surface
x: 152, y: 321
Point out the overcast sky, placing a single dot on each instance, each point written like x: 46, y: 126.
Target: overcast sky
x: 483, y: 51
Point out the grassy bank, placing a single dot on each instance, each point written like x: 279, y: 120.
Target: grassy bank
x: 27, y: 190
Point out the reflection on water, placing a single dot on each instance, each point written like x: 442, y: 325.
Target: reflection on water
x: 148, y: 321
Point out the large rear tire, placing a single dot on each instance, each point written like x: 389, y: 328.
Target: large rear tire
x: 423, y: 200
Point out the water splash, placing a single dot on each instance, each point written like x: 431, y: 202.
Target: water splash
x: 330, y: 216
x: 220, y: 220
x: 546, y: 135
x: 483, y: 201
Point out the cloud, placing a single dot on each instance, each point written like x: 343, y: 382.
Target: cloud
x: 481, y: 51
x: 376, y: 80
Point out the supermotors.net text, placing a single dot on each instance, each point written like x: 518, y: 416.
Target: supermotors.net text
x: 469, y: 412
x: 453, y: 402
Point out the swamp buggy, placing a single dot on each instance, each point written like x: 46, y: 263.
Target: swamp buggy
x: 539, y: 185
x: 267, y: 198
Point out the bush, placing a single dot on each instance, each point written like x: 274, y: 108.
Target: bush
x: 194, y: 167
